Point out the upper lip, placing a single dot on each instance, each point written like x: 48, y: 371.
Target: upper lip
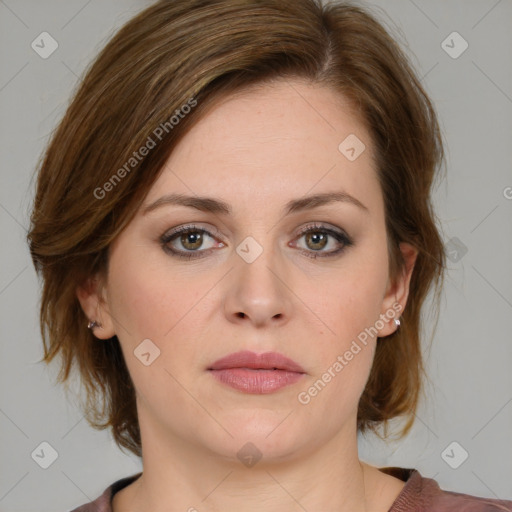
x: 265, y: 361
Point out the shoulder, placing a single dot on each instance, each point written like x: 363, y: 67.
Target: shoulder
x: 100, y: 504
x: 422, y: 494
x: 448, y: 500
x: 103, y: 503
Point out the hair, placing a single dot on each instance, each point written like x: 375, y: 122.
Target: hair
x: 92, y: 178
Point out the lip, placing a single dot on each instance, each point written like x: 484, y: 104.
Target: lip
x: 254, y: 373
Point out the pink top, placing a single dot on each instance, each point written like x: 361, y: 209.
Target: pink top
x: 419, y: 494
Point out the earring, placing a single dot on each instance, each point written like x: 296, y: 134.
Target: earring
x: 397, y: 323
x: 92, y: 324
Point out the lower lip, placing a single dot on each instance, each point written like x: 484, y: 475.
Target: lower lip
x: 256, y: 381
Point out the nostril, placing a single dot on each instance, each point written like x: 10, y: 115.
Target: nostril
x: 241, y: 315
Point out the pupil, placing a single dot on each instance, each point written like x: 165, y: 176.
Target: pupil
x: 318, y: 238
x: 191, y: 239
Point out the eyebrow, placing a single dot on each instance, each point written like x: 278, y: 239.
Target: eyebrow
x: 216, y: 206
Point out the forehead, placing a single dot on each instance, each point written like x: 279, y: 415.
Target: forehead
x: 275, y: 141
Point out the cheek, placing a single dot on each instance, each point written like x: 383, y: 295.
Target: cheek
x: 147, y: 299
x: 343, y: 358
x: 349, y: 308
x: 344, y: 348
x: 352, y: 300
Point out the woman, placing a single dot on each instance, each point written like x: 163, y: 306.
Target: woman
x: 234, y: 229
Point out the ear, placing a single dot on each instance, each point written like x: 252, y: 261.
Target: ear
x: 397, y: 291
x: 93, y: 299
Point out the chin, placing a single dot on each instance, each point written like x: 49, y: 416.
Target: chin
x: 262, y: 434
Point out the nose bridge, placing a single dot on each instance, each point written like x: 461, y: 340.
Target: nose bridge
x: 257, y: 291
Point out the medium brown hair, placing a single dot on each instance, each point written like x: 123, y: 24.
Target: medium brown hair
x: 176, y: 52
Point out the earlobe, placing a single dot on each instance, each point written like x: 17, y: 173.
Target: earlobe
x: 397, y: 294
x: 95, y: 308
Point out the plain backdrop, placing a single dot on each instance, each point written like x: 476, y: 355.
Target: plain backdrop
x: 468, y: 411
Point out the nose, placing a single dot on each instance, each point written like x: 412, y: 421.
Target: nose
x: 258, y: 292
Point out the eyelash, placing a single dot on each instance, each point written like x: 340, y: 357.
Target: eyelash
x: 339, y: 236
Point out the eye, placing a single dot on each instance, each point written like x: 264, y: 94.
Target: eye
x: 191, y: 241
x: 187, y: 242
x: 319, y: 237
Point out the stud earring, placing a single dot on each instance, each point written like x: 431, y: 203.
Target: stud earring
x: 92, y: 324
x: 397, y: 323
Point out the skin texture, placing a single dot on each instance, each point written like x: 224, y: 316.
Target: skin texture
x: 256, y: 150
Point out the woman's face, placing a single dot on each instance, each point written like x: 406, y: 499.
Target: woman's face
x: 248, y: 277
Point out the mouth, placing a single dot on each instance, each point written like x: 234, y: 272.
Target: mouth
x: 253, y: 373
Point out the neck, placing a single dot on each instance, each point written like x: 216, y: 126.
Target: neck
x: 188, y: 477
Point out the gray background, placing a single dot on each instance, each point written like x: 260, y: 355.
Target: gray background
x: 470, y: 401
